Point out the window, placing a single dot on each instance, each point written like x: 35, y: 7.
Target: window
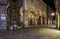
x: 3, y: 18
x: 14, y: 21
x: 14, y: 3
x: 13, y: 0
x: 32, y: 1
x: 13, y: 10
x: 14, y: 7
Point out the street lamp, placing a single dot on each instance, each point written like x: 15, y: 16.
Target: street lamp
x: 52, y: 14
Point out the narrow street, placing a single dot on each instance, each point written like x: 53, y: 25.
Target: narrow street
x: 31, y: 33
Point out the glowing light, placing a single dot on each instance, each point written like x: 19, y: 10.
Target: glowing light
x: 53, y: 14
x: 3, y: 18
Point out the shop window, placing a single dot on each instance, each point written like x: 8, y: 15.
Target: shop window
x: 14, y: 21
x: 3, y: 18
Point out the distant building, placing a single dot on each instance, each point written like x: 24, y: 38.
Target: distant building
x: 50, y: 18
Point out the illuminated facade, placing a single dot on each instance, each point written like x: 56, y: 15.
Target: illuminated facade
x: 27, y: 12
x: 36, y: 12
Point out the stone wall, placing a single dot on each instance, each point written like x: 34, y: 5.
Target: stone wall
x: 57, y: 5
x: 3, y: 16
x: 37, y: 6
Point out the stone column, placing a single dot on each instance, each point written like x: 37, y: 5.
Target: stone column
x: 57, y: 18
x: 35, y: 16
x: 35, y: 20
x: 45, y: 21
x: 58, y: 21
x: 41, y: 20
x: 25, y: 11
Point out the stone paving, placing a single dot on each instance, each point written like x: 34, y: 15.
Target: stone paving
x: 31, y: 33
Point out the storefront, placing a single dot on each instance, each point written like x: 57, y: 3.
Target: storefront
x: 3, y: 19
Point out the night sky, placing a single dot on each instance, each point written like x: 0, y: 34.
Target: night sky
x: 50, y: 3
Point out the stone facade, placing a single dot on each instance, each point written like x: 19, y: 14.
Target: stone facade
x: 57, y: 4
x: 36, y: 11
x: 27, y: 12
x: 13, y: 12
x: 3, y: 14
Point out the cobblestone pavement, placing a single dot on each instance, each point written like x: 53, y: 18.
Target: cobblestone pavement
x: 31, y: 33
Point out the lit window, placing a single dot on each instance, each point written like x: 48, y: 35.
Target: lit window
x: 14, y: 21
x: 3, y: 18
